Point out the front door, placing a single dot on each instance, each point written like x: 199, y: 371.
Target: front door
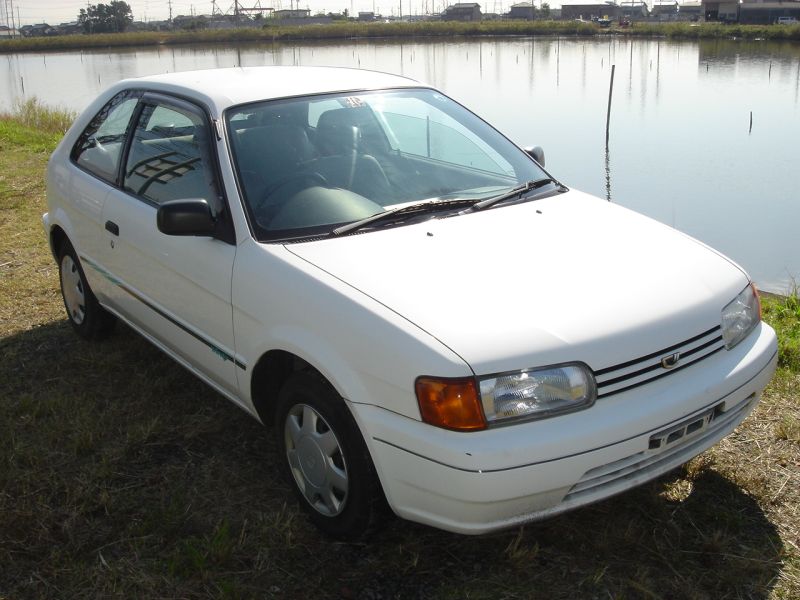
x: 177, y: 290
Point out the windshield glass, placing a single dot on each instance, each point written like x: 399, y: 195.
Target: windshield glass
x: 308, y: 165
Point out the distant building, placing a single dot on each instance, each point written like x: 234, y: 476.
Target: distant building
x: 690, y: 11
x: 366, y: 16
x: 38, y: 30
x: 664, y: 10
x: 633, y: 10
x: 221, y: 22
x: 463, y: 11
x: 6, y: 33
x: 589, y: 11
x: 726, y: 11
x: 765, y: 13
x: 71, y: 28
x: 523, y: 10
x: 295, y: 13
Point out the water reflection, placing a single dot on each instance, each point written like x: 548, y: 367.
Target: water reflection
x: 683, y: 151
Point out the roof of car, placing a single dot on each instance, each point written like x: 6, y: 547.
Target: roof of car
x: 222, y: 88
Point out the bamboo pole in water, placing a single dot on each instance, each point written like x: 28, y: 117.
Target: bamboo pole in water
x: 610, y: 91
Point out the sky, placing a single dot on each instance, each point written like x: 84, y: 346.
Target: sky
x: 54, y: 12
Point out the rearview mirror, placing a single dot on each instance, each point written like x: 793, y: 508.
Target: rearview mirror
x: 536, y: 153
x: 186, y: 217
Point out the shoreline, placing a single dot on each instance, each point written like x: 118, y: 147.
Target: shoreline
x: 399, y: 30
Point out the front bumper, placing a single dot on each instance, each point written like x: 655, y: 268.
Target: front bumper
x: 478, y: 482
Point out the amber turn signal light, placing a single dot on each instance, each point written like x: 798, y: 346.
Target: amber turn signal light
x: 450, y: 403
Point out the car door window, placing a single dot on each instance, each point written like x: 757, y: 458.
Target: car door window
x: 99, y: 147
x: 169, y: 158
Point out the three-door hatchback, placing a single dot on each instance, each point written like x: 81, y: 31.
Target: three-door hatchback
x: 426, y: 316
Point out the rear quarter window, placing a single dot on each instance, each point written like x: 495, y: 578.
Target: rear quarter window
x: 100, y: 145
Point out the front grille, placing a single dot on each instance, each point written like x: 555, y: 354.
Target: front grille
x: 631, y: 374
x: 667, y: 449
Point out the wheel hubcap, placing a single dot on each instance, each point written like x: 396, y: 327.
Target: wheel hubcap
x: 316, y: 460
x: 72, y: 289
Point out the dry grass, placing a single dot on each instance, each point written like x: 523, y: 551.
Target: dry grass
x: 351, y: 30
x: 121, y: 476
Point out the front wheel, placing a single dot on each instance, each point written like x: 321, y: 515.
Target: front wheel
x: 87, y: 317
x: 325, y: 458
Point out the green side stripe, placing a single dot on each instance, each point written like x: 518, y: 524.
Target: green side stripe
x: 198, y: 336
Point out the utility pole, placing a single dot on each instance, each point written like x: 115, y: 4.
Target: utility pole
x: 170, y: 14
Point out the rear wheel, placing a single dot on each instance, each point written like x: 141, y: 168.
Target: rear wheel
x: 325, y: 458
x: 87, y: 317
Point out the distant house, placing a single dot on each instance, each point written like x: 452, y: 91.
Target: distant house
x: 221, y: 22
x: 6, y: 33
x: 462, y: 11
x: 765, y: 13
x: 690, y: 11
x: 589, y: 11
x: 366, y: 16
x: 633, y: 10
x: 295, y: 13
x: 664, y: 10
x: 70, y: 28
x: 726, y: 11
x: 38, y: 30
x: 523, y: 10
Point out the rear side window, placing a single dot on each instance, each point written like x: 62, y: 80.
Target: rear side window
x: 99, y: 147
x: 169, y: 158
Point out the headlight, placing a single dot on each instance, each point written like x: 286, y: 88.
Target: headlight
x: 537, y: 393
x: 741, y: 316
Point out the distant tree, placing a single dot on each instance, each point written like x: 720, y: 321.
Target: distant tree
x: 195, y: 23
x: 106, y: 18
x: 544, y: 11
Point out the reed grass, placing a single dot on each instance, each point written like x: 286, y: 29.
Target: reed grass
x: 783, y: 313
x: 356, y: 30
x: 32, y: 113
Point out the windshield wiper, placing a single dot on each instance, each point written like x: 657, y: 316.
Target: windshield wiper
x: 516, y: 192
x: 402, y: 211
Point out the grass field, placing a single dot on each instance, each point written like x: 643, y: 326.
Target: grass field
x: 355, y: 30
x: 122, y: 476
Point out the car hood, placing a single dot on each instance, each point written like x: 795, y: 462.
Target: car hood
x: 560, y: 279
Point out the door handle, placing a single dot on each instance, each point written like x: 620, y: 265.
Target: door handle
x: 112, y: 227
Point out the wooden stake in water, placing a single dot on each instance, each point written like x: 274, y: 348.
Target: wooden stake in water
x: 610, y: 91
x: 751, y: 123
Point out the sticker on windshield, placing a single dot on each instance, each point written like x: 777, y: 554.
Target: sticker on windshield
x: 353, y: 102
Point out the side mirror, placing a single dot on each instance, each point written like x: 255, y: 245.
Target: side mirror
x: 536, y: 153
x: 186, y: 217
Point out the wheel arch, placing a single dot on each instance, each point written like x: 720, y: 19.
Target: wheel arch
x: 57, y: 236
x: 271, y: 371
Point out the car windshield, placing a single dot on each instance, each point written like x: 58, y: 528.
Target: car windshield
x: 307, y: 166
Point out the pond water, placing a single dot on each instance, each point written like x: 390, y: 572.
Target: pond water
x: 702, y: 134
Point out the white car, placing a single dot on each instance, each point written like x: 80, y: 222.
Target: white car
x: 427, y: 317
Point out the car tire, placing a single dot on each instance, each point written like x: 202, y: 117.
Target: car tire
x: 89, y: 320
x: 325, y: 459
